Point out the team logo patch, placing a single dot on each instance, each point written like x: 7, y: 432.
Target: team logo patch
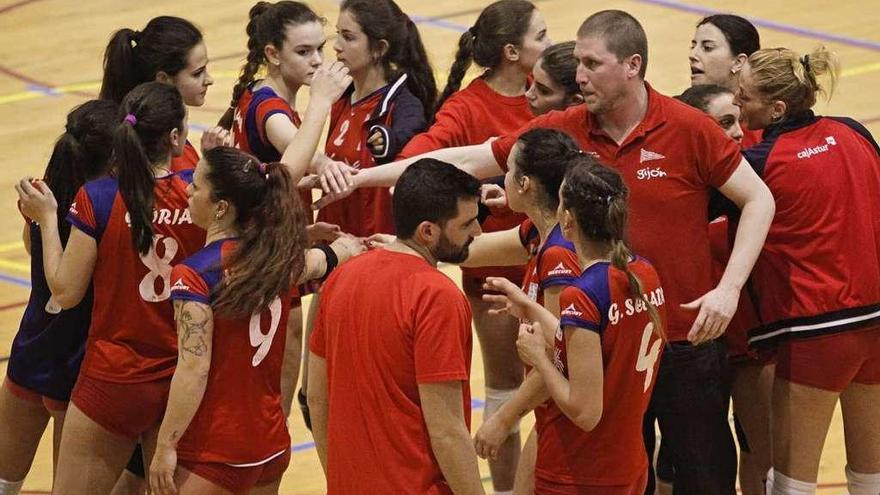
x: 179, y: 285
x: 560, y: 269
x: 647, y: 156
x: 571, y: 311
x: 816, y: 150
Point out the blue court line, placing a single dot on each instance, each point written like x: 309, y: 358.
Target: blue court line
x: 15, y: 280
x: 777, y: 26
x: 299, y: 447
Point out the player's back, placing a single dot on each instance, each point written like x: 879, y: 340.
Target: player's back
x: 132, y: 336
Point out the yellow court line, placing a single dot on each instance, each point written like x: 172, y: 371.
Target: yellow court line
x: 6, y: 247
x: 15, y: 265
x: 860, y: 69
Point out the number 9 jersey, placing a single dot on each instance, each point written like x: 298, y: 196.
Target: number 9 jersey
x: 132, y: 338
x: 240, y: 420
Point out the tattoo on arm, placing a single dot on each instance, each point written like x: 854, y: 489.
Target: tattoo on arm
x: 193, y: 329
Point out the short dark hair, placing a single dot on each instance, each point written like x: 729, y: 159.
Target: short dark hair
x: 429, y: 191
x: 741, y: 35
x: 701, y: 95
x: 622, y: 33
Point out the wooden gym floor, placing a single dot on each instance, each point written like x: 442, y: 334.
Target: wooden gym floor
x: 50, y: 60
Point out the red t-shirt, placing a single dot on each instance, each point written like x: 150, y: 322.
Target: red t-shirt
x: 669, y: 162
x: 472, y: 116
x: 368, y: 210
x: 240, y: 420
x: 186, y: 161
x: 750, y: 138
x: 132, y: 338
x: 613, y: 453
x: 388, y: 322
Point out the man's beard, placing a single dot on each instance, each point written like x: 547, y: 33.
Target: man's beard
x: 447, y: 252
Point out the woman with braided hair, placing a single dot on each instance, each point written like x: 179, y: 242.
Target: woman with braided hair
x: 606, y: 349
x: 817, y: 279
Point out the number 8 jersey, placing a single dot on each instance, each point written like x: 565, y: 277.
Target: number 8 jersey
x: 613, y: 453
x: 132, y: 338
x: 240, y: 420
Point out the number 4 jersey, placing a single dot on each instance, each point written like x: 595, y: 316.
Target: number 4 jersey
x: 613, y: 453
x: 240, y: 420
x: 132, y: 338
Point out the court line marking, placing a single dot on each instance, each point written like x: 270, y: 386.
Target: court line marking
x: 13, y: 305
x: 13, y: 6
x: 766, y: 23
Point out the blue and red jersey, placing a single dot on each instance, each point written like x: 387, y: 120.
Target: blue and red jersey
x: 132, y: 338
x: 187, y: 160
x: 240, y: 420
x: 613, y: 452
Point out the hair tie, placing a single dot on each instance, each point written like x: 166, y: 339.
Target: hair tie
x: 805, y: 61
x: 131, y: 119
x: 264, y: 169
x: 473, y: 31
x: 609, y: 199
x: 134, y: 38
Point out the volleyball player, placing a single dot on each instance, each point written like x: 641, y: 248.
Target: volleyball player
x: 817, y: 277
x: 224, y: 429
x: 720, y: 47
x: 169, y: 50
x: 554, y: 83
x: 48, y: 348
x: 606, y: 345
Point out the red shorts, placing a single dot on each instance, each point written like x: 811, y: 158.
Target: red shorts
x: 239, y: 479
x: 831, y: 362
x: 546, y: 487
x: 31, y: 396
x: 124, y: 409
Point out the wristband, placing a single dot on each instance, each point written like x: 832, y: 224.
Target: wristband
x: 331, y: 257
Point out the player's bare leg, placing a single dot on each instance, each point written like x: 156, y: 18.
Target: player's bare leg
x: 524, y: 482
x: 22, y: 424
x: 192, y: 484
x: 861, y: 426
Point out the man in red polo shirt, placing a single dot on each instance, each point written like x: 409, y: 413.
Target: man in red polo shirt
x: 391, y: 351
x: 671, y: 157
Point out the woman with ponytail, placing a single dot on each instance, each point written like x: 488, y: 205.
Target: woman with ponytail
x: 224, y: 430
x: 169, y: 50
x: 817, y: 280
x: 127, y: 231
x: 47, y: 350
x: 554, y: 86
x: 391, y: 98
x: 606, y: 345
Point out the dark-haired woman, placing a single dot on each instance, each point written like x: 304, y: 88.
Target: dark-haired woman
x: 606, y: 347
x: 169, y: 50
x: 719, y: 49
x: 391, y: 97
x: 48, y: 349
x: 224, y: 430
x: 554, y: 86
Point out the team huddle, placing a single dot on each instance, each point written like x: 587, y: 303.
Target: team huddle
x: 630, y: 262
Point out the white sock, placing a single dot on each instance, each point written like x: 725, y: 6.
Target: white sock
x: 861, y: 483
x: 10, y: 487
x: 506, y: 492
x: 780, y: 484
x: 495, y: 398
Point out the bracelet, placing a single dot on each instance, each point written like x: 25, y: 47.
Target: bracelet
x: 331, y: 257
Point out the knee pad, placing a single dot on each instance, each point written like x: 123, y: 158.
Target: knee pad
x: 861, y: 483
x: 780, y: 484
x: 10, y: 487
x: 495, y: 398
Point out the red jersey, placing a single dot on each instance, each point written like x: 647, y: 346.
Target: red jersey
x: 472, y: 116
x: 249, y: 128
x: 669, y: 162
x: 388, y: 322
x: 132, y: 338
x: 819, y: 270
x: 240, y: 420
x: 555, y: 263
x: 750, y: 138
x: 613, y: 452
x: 395, y: 113
x: 186, y: 161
